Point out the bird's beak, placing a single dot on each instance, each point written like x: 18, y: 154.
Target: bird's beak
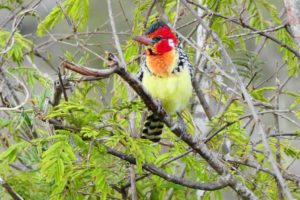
x: 143, y: 40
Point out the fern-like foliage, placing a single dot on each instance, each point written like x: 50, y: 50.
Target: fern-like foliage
x: 15, y: 46
x: 61, y: 151
x: 249, y: 65
x: 76, y: 10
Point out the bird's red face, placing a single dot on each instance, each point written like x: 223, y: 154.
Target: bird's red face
x: 159, y: 39
x: 161, y: 56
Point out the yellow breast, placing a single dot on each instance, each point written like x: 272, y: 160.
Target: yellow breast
x: 174, y: 91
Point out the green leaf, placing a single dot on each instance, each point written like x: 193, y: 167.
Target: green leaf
x: 287, y: 55
x: 53, y: 149
x: 10, y: 154
x: 101, y: 184
x: 291, y: 152
x: 259, y: 94
x: 19, y: 45
x: 77, y: 11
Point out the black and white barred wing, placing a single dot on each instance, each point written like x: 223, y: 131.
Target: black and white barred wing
x: 183, y: 61
x: 143, y: 69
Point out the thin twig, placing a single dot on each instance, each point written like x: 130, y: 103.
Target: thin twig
x: 116, y: 38
x: 252, y: 164
x: 171, y: 191
x: 10, y: 190
x: 149, y: 13
x: 123, y: 12
x: 132, y: 183
x: 179, y: 131
x: 248, y: 100
x: 267, y: 30
x: 162, y: 165
x: 26, y: 92
x: 277, y: 129
x: 104, y: 73
x: 61, y: 85
x: 221, y: 182
x: 277, y: 41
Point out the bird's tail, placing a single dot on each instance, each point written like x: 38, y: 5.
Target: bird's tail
x: 153, y: 128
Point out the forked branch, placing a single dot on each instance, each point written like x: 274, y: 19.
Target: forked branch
x: 198, y: 146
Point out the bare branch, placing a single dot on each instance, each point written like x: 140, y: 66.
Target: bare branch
x: 26, y: 92
x: 221, y: 182
x: 295, y: 52
x: 162, y: 165
x: 202, y: 99
x: 116, y: 38
x: 248, y: 100
x: 257, y: 166
x: 104, y: 73
x: 149, y: 13
x: 132, y: 183
x: 10, y: 190
x: 267, y: 30
x: 293, y: 12
x: 179, y: 131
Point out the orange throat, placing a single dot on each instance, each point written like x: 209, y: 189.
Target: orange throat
x: 162, y: 64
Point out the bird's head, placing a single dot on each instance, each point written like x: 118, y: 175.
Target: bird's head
x: 159, y: 39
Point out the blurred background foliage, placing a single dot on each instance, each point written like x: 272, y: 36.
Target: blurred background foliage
x: 56, y: 148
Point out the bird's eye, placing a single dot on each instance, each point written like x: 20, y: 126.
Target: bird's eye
x: 157, y: 39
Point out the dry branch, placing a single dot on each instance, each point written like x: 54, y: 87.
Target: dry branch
x: 293, y: 12
x: 198, y: 146
x: 10, y: 190
x: 220, y: 183
x: 248, y: 99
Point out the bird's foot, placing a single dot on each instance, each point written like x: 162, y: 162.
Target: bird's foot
x: 159, y: 107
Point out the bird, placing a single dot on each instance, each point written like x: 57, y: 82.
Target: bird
x: 166, y: 74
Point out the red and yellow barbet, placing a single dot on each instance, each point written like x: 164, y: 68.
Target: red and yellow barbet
x: 165, y: 73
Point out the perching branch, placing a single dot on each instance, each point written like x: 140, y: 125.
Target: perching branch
x: 244, y: 184
x: 198, y: 146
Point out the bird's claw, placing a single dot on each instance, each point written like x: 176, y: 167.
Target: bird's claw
x: 159, y: 106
